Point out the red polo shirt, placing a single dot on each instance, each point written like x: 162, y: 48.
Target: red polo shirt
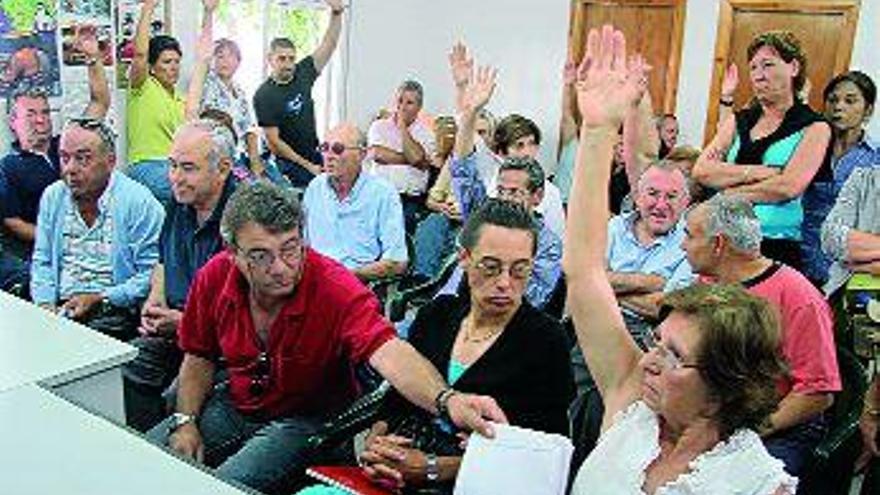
x: 331, y: 322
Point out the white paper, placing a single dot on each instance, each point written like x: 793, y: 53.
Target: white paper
x: 517, y: 461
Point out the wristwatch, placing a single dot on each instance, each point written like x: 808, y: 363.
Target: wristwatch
x: 432, y: 469
x: 441, y: 402
x: 179, y: 419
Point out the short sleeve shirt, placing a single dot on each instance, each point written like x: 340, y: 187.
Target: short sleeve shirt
x: 290, y: 108
x: 154, y: 115
x: 232, y: 100
x: 407, y: 179
x: 807, y: 329
x: 330, y: 323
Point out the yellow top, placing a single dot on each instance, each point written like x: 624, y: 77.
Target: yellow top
x: 154, y: 115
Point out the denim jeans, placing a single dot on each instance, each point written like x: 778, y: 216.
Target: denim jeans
x: 265, y: 455
x: 817, y: 203
x: 146, y: 377
x: 154, y: 175
x: 434, y: 242
x: 793, y: 446
x: 14, y: 274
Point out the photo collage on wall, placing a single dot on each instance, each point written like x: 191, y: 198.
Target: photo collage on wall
x: 127, y: 16
x: 29, y: 47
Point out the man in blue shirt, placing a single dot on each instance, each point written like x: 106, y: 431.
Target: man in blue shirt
x: 96, y: 237
x: 32, y: 165
x: 200, y: 162
x: 352, y: 216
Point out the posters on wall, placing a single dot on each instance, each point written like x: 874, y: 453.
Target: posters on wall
x: 128, y: 12
x: 29, y: 47
x: 77, y: 15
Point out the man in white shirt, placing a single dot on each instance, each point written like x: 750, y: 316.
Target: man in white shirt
x: 401, y: 147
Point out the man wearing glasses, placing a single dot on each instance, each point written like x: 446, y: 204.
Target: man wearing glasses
x: 33, y: 162
x: 97, y: 235
x: 354, y: 217
x: 289, y: 325
x: 200, y: 161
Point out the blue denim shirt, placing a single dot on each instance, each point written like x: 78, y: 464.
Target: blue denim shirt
x: 364, y: 227
x: 470, y: 192
x: 184, y: 245
x: 138, y: 218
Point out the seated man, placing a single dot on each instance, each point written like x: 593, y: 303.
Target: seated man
x: 723, y: 244
x: 289, y: 324
x: 851, y: 231
x: 513, y: 136
x: 202, y: 156
x: 644, y: 255
x: 401, y: 147
x: 352, y: 216
x: 32, y: 165
x: 97, y: 236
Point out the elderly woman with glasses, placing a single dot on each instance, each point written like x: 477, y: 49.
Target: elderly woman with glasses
x: 489, y: 341
x: 679, y: 418
x: 770, y: 151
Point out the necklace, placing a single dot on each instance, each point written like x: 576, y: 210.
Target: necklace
x: 469, y: 338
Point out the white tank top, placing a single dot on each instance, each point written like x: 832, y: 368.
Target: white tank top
x: 741, y: 465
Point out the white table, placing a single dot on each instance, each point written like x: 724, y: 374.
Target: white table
x: 51, y: 446
x: 76, y: 362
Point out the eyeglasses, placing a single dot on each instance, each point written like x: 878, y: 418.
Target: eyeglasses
x: 491, y: 268
x: 336, y: 148
x: 264, y: 259
x: 108, y: 136
x: 511, y: 193
x: 668, y: 359
x: 260, y: 378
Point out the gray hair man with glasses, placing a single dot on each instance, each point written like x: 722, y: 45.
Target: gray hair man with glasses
x: 96, y: 235
x: 723, y: 244
x: 353, y: 216
x: 200, y: 161
x: 289, y: 324
x: 32, y: 163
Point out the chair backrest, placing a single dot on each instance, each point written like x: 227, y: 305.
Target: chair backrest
x: 843, y: 415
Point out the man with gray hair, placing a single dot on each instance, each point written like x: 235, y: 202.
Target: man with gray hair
x: 290, y: 325
x: 97, y: 235
x: 200, y: 161
x: 723, y: 245
x: 401, y: 147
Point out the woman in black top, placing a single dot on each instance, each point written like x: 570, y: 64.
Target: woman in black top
x: 489, y: 341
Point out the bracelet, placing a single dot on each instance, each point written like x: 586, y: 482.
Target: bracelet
x: 432, y: 468
x: 725, y: 102
x: 872, y: 412
x: 337, y: 11
x: 442, y: 400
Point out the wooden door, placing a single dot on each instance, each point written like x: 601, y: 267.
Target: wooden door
x: 653, y: 28
x: 825, y: 28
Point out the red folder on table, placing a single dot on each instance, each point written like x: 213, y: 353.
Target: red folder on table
x: 348, y: 478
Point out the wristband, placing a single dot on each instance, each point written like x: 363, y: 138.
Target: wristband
x: 726, y: 102
x: 432, y: 468
x: 442, y: 400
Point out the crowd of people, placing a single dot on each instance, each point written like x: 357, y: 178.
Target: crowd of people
x: 246, y: 260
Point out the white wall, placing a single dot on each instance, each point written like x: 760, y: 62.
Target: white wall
x: 393, y: 40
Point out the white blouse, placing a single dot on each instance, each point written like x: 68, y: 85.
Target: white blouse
x: 741, y: 465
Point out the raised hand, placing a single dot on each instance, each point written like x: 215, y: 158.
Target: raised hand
x: 460, y: 65
x: 569, y: 72
x: 86, y: 41
x: 335, y: 5
x: 205, y: 46
x: 150, y: 4
x: 478, y: 93
x: 210, y: 5
x: 730, y: 81
x: 607, y: 84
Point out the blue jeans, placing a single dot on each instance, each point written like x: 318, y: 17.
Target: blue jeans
x: 434, y: 242
x: 264, y: 454
x: 817, y: 203
x: 154, y: 175
x: 14, y: 274
x: 793, y: 446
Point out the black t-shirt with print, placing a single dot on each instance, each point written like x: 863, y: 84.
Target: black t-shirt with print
x: 290, y: 108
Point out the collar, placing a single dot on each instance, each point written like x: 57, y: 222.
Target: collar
x: 869, y: 142
x: 359, y: 184
x: 764, y: 275
x: 235, y: 291
x: 217, y: 212
x: 52, y: 151
x: 104, y: 199
x: 632, y: 217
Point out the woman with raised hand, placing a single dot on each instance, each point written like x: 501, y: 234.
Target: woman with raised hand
x: 681, y: 417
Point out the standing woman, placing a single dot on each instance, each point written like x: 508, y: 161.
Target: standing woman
x: 769, y: 152
x: 155, y: 108
x: 849, y: 103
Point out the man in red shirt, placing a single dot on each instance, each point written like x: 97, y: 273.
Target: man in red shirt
x: 288, y: 325
x: 723, y: 244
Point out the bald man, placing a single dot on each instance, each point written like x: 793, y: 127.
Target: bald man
x: 352, y: 216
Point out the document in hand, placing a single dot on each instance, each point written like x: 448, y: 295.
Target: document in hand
x: 517, y: 461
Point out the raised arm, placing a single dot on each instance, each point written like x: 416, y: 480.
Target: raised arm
x: 461, y: 66
x: 328, y: 44
x: 606, y: 88
x: 641, y: 141
x: 728, y: 88
x: 140, y: 69
x: 99, y: 92
x: 204, y: 52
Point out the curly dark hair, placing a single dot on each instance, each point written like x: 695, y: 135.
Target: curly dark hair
x: 511, y: 128
x: 786, y: 44
x: 739, y: 352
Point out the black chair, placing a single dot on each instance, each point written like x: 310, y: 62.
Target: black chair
x: 414, y: 297
x: 830, y: 466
